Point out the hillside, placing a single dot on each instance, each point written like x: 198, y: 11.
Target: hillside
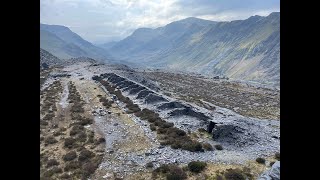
x: 62, y: 42
x: 242, y: 49
x: 47, y: 59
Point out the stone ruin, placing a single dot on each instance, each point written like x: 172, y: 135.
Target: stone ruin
x: 152, y: 98
x: 189, y: 112
x: 131, y: 87
x: 171, y: 105
x: 144, y: 93
x: 234, y: 133
x: 136, y: 90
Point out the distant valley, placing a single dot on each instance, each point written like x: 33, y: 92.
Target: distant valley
x: 243, y: 49
x: 247, y: 50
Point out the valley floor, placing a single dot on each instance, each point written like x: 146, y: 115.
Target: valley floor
x: 121, y: 144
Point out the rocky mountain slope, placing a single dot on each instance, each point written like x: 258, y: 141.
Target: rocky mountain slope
x: 47, y: 59
x: 106, y: 121
x: 62, y: 42
x: 242, y: 49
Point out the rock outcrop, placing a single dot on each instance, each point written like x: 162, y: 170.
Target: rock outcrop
x: 273, y: 173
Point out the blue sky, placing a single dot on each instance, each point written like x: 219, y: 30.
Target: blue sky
x: 101, y: 21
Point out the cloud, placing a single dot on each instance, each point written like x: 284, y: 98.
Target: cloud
x: 116, y: 19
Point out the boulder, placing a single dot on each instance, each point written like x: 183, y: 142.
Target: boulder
x: 273, y: 173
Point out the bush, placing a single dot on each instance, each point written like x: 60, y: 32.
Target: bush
x: 88, y: 168
x: 133, y: 108
x: 207, y: 146
x: 82, y: 137
x: 197, y: 166
x: 72, y: 165
x: 69, y: 142
x: 179, y: 132
x: 172, y: 172
x: 85, y: 155
x: 218, y: 147
x: 65, y: 176
x: 44, y: 123
x: 164, y: 168
x: 56, y: 170
x: 77, y: 108
x: 166, y: 125
x: 158, y: 121
x: 47, y: 174
x: 86, y: 121
x: 149, y: 165
x: 70, y: 156
x: 76, y: 129
x: 52, y: 162
x: 161, y: 131
x: 175, y: 145
x: 176, y: 173
x: 260, y: 160
x: 50, y: 140
x: 234, y: 174
x: 192, y: 146
x: 277, y: 156
x: 153, y: 127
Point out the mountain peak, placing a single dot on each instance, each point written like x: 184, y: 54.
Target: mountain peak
x: 53, y: 27
x: 274, y: 15
x: 194, y: 20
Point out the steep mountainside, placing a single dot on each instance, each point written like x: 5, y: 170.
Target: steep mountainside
x: 243, y: 49
x: 47, y: 59
x: 64, y: 43
x: 146, y: 41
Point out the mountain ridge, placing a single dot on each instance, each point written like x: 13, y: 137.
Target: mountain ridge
x: 242, y: 49
x: 77, y: 45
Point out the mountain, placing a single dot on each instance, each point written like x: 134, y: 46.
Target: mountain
x: 62, y: 42
x: 242, y: 49
x: 59, y: 47
x: 47, y: 59
x: 107, y: 45
x: 144, y: 41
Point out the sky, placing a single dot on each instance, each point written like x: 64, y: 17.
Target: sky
x: 100, y: 21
